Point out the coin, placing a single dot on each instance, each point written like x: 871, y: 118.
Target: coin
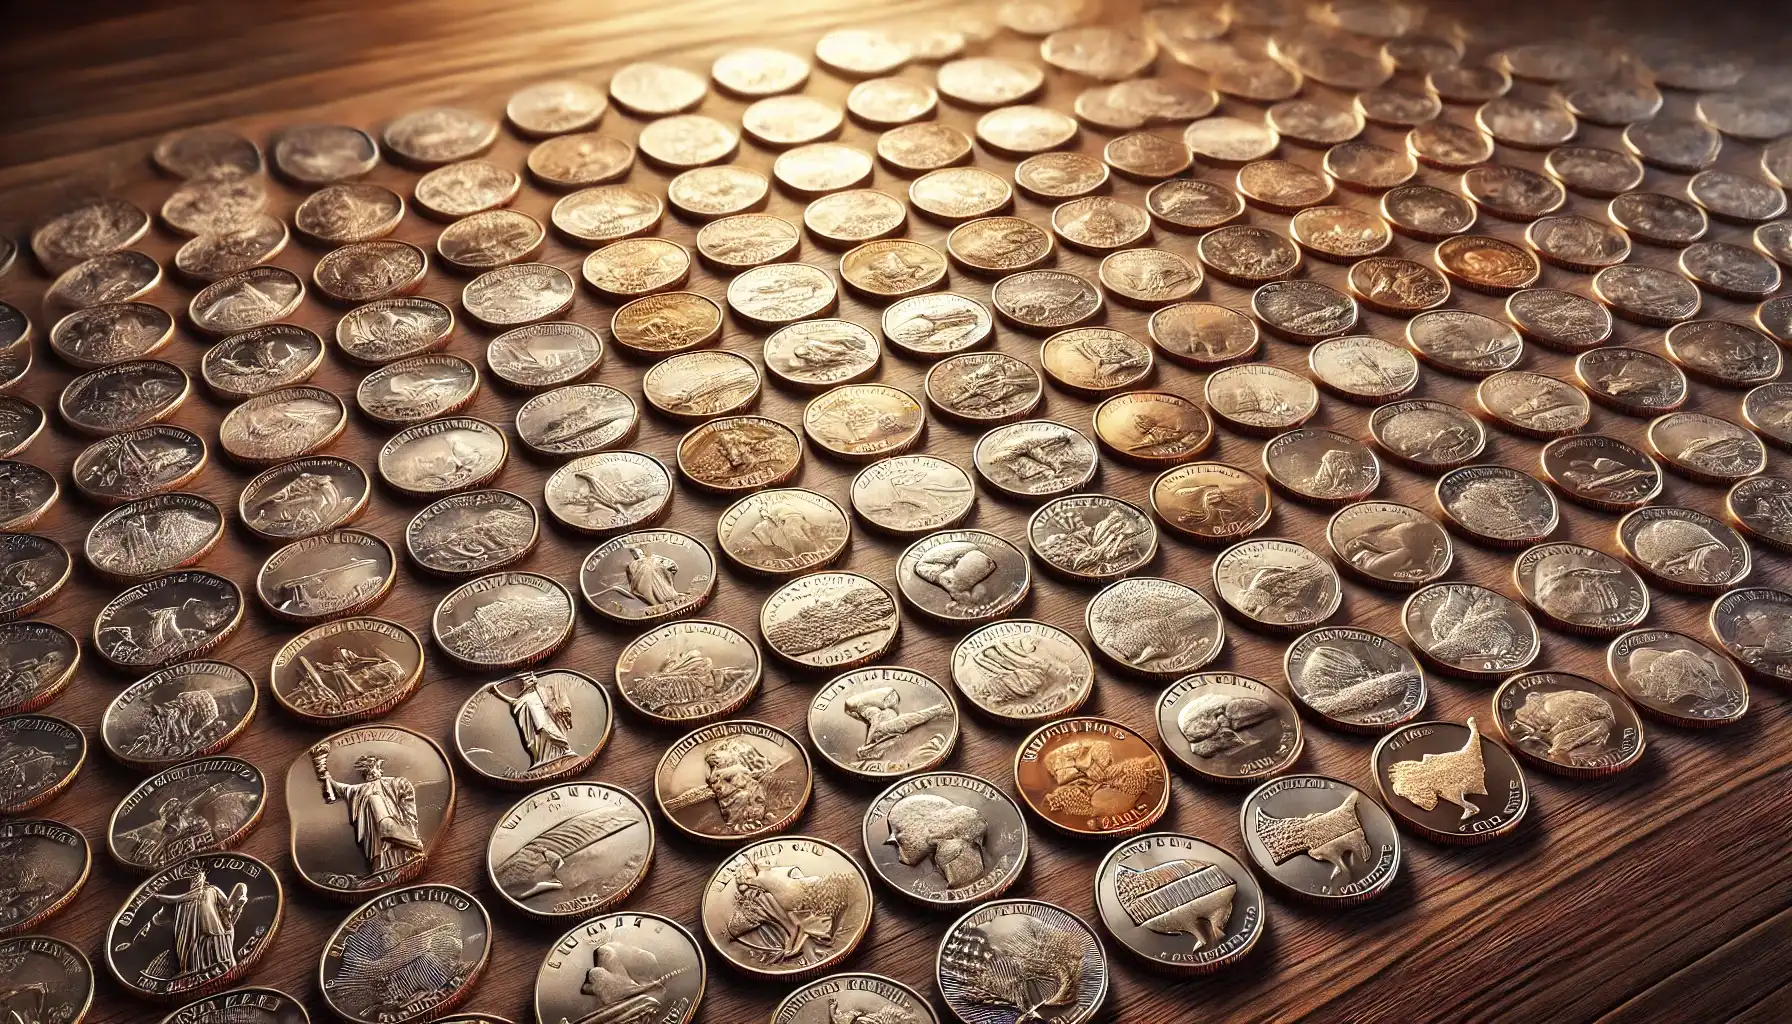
x: 1614, y: 101
x: 963, y: 576
x: 387, y: 330
x: 684, y: 141
x: 1677, y: 679
x: 1092, y: 777
x: 753, y: 940
x: 124, y: 467
x: 1426, y: 213
x: 1487, y: 264
x: 607, y: 831
x: 864, y: 994
x: 634, y: 267
x: 1577, y: 243
x: 1580, y: 589
x: 49, y: 862
x: 1526, y: 125
x: 1354, y: 680
x: 1496, y: 505
x: 456, y: 923
x: 734, y: 454
x: 1658, y: 219
x: 492, y: 238
x: 945, y: 839
x: 51, y: 752
x: 118, y: 276
x: 578, y: 419
x: 503, y: 620
x: 1409, y: 768
x: 206, y: 152
x: 1757, y: 506
x: 262, y: 360
x: 1730, y: 270
x: 829, y: 620
x: 1099, y: 51
x: 862, y: 52
x: 334, y: 848
x: 885, y: 722
x: 1321, y: 466
x: 209, y: 206
x: 1601, y: 472
x: 1427, y: 435
x: 1003, y: 930
x: 1303, y: 311
x: 1449, y: 146
x: 609, y: 492
x: 1024, y: 130
x: 1260, y: 399
x: 845, y: 219
x: 1390, y: 545
x: 35, y: 570
x: 326, y: 576
x: 520, y: 293
x: 1152, y: 427
x: 693, y: 386
x: 1744, y: 115
x: 1471, y: 84
x: 819, y: 353
x: 1210, y: 502
x: 124, y: 396
x: 1153, y: 627
x: 1204, y: 334
x: 1464, y: 343
x: 1467, y: 630
x: 1095, y: 361
x: 435, y: 136
x: 251, y: 298
x: 165, y: 619
x: 1368, y: 167
x: 1276, y: 584
x: 648, y: 577
x: 783, y: 293
x: 21, y: 422
x: 998, y: 245
x: 39, y: 664
x: 1342, y: 235
x: 1706, y: 448
x: 1149, y: 278
x: 366, y: 271
x: 1775, y: 241
x: 1631, y: 380
x: 555, y: 107
x: 1394, y: 107
x: 1767, y: 409
x: 651, y: 325
x: 581, y: 160
x: 1592, y: 171
x: 1059, y: 175
x: 1363, y: 369
x: 989, y: 81
x: 472, y: 533
x: 1775, y: 317
x: 1091, y: 537
x: 1744, y: 623
x: 154, y: 535
x: 688, y: 671
x: 1022, y: 671
x: 347, y: 671
x: 916, y: 148
x: 1533, y: 404
x: 140, y: 939
x: 1193, y: 205
x: 324, y: 154
x: 201, y: 806
x: 1568, y: 724
x: 733, y: 780
x: 416, y: 389
x: 1256, y: 80
x: 759, y: 71
x: 563, y: 989
x: 778, y: 122
x: 1247, y: 255
x: 818, y: 168
x: 1143, y: 902
x: 983, y: 388
x: 1738, y: 198
x: 280, y: 425
x: 1281, y: 186
x: 88, y: 228
x: 936, y: 325
x: 303, y: 497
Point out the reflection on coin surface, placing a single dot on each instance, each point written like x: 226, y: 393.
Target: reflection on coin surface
x: 1179, y: 903
x: 279, y: 425
x: 391, y: 329
x: 1008, y: 930
x: 518, y: 294
x: 366, y: 271
x: 322, y: 154
x: 1022, y: 671
x: 635, y: 267
x: 1427, y: 435
x: 783, y: 293
x: 858, y: 422
x: 1534, y: 404
x: 918, y: 148
x: 821, y: 353
x: 855, y: 216
x: 1745, y: 623
x: 1095, y: 361
x: 490, y: 239
x: 1275, y: 584
x: 1100, y: 224
x: 326, y: 576
x: 1364, y: 369
x: 648, y: 577
x: 1759, y: 508
x: 829, y: 620
x: 333, y: 847
x: 1092, y: 536
x: 1060, y: 175
x: 1464, y: 343
x: 443, y: 456
x: 1449, y: 146
x: 1389, y: 544
x: 1724, y: 353
x: 1092, y: 777
x: 1591, y: 171
x: 472, y: 533
x: 945, y: 839
x: 1647, y: 295
x: 822, y: 167
x: 1631, y: 380
x: 206, y: 152
x: 606, y: 213
x: 1035, y: 459
x: 884, y: 722
x: 1601, y: 472
x: 1706, y: 448
x: 1257, y: 398
x: 689, y: 671
x: 1677, y: 679
x: 153, y: 535
x: 943, y: 323
x: 60, y: 976
x: 1767, y: 409
x: 983, y: 388
x: 1303, y: 311
x: 52, y: 752
x: 743, y: 906
x: 124, y: 396
x: 141, y: 940
x: 1321, y: 465
x: 264, y: 359
x: 912, y: 494
x: 1354, y: 680
x: 1282, y: 186
x: 439, y: 135
x: 111, y: 277
x: 1467, y: 630
x: 1426, y: 213
x: 1340, y: 233
x: 416, y: 389
x: 1321, y: 839
x: 1153, y: 427
x: 1230, y: 139
x: 347, y: 671
x: 746, y: 240
x: 1733, y: 271
x: 1247, y: 255
x: 218, y: 801
x: 576, y: 420
x: 555, y: 107
x: 1204, y: 334
x: 165, y: 619
x: 42, y: 659
x: 647, y: 941
x: 1568, y: 724
x: 21, y: 422
x: 963, y: 576
x: 1580, y: 589
x: 1487, y: 264
x: 49, y: 862
x: 503, y: 620
x: 92, y: 227
x: 344, y: 214
x: 465, y: 188
x: 251, y: 298
x: 124, y: 467
x: 608, y: 492
x: 607, y: 836
x: 1497, y: 505
x: 1473, y: 797
x: 759, y: 71
x: 1210, y: 502
x: 1193, y: 205
x: 303, y: 497
x: 705, y: 193
x: 453, y: 919
x: 998, y: 245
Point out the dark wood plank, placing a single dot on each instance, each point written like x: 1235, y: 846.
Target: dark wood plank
x: 1730, y: 979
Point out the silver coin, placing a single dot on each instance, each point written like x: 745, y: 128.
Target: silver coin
x: 456, y: 453
x: 609, y: 492
x: 963, y: 576
x: 1276, y: 584
x: 829, y: 620
x: 821, y: 353
x: 1022, y: 671
x: 1467, y: 630
x: 688, y: 672
x: 615, y: 845
x: 912, y: 494
x: 281, y: 425
x: 1580, y: 589
x: 472, y: 533
x: 1007, y: 928
x: 303, y: 497
x: 1035, y: 459
x: 503, y: 620
x: 561, y: 990
x: 386, y: 330
x: 1156, y: 628
x: 416, y: 389
x: 648, y: 577
x: 578, y: 419
x: 545, y: 355
x: 1427, y: 435
x: 261, y: 360
x: 945, y: 839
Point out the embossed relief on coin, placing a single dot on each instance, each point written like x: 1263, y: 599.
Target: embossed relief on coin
x: 883, y: 722
x: 370, y: 966
x: 570, y: 850
x: 192, y: 709
x: 690, y: 671
x: 1022, y: 671
x: 375, y: 829
x: 733, y: 780
x: 198, y: 807
x: 945, y: 839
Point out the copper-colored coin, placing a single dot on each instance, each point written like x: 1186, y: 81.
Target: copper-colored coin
x: 1580, y: 589
x: 1145, y: 156
x: 1339, y: 233
x: 324, y: 154
x: 609, y: 492
x: 1467, y: 630
x: 928, y: 146
x: 146, y: 538
x: 888, y: 102
x: 203, y: 806
x: 212, y: 257
x: 1257, y: 80
x: 650, y: 89
x: 1043, y: 300
x: 1095, y: 361
x: 1497, y: 505
x: 52, y: 861
x: 759, y: 71
x: 118, y: 276
x: 735, y: 454
x: 822, y: 167
x: 892, y: 268
x: 1427, y: 213
x: 657, y: 325
x: 249, y: 299
x: 1577, y: 243
x: 1733, y: 271
x: 206, y: 152
x: 1303, y: 311
x: 1321, y: 466
x: 1558, y: 319
x: 462, y: 189
x: 347, y: 671
x: 1767, y: 409
x: 1487, y: 264
x: 1468, y: 84
x: 1677, y: 679
x: 1313, y: 122
x: 1092, y: 777
x: 862, y: 52
x: 490, y: 239
x: 89, y: 228
x: 1395, y: 107
x: 1647, y: 295
x: 581, y: 160
x: 1211, y: 502
x: 956, y: 194
x: 606, y: 213
x: 1282, y: 186
x: 50, y: 753
x: 1568, y: 724
x: 303, y: 497
x: 1450, y: 146
x: 21, y: 422
x: 327, y: 576
x: 187, y: 710
x: 123, y: 396
x: 1230, y: 139
x: 1193, y: 205
x: 1389, y: 545
x: 634, y: 267
x: 1149, y: 277
x: 435, y: 136
x: 1248, y: 255
x: 141, y: 940
x: 261, y: 360
x: 1684, y: 549
x: 366, y: 271
x: 453, y: 918
x: 855, y: 216
x: 1368, y: 167
x: 281, y: 425
x: 1049, y: 177
x: 683, y: 141
x: 1153, y: 427
x: 694, y: 671
x: 1204, y: 334
x: 1601, y: 472
x: 36, y: 568
x: 1706, y: 448
x: 1533, y: 404
x: 472, y: 533
x: 1631, y: 380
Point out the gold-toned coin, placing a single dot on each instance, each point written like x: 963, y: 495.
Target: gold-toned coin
x: 369, y: 271
x: 1060, y: 175
x: 846, y: 219
x: 1647, y: 295
x: 1706, y: 448
x: 1592, y: 171
x: 783, y: 531
x: 518, y: 294
x: 735, y: 886
x: 465, y: 188
x: 1204, y: 334
x: 455, y: 453
x: 887, y: 269
x: 303, y: 497
x: 957, y: 194
x: 756, y: 71
x: 1390, y: 545
x: 1525, y: 124
x: 1577, y: 243
x: 859, y: 422
x: 390, y: 329
x: 1560, y: 320
x: 1340, y: 233
x: 124, y: 467
x: 747, y: 240
x: 279, y: 425
x: 1256, y: 80
x: 576, y: 420
x: 822, y: 167
x: 245, y: 300
x: 1487, y: 264
x: 581, y: 160
x: 1193, y: 205
x: 606, y: 213
x: 89, y: 228
x: 118, y: 276
x: 1045, y: 300
x: 695, y: 386
x: 1260, y: 399
x: 1631, y: 380
x: 862, y: 52
x: 435, y: 136
x: 1025, y: 130
x: 1149, y: 277
x: 1230, y: 140
x: 1105, y: 52
x: 683, y: 141
x: 503, y: 620
x: 140, y: 940
x: 1095, y: 361
x: 1534, y: 712
x: 651, y: 89
x: 1238, y: 572
x: 494, y: 238
x: 736, y: 454
x: 1677, y: 679
x: 1730, y: 270
x: 555, y: 107
x: 1153, y: 427
x: 782, y: 293
x: 634, y: 267
x: 1426, y: 213
x: 1321, y: 466
x: 1282, y: 186
x: 51, y: 655
x: 1145, y: 156
x: 1303, y: 311
x: 1449, y: 146
x: 928, y: 146
x: 211, y: 257
x: 1658, y: 219
x: 472, y: 533
x: 1534, y: 404
x: 779, y: 122
x: 54, y: 860
x: 661, y: 324
x: 1601, y: 472
x: 999, y: 245
x: 206, y: 152
x: 989, y: 81
x: 123, y: 396
x: 821, y: 353
x: 1100, y: 224
x: 1248, y: 255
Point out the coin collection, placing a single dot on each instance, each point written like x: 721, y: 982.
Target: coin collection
x: 1297, y: 207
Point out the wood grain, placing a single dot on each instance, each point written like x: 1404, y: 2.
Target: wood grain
x: 1660, y: 894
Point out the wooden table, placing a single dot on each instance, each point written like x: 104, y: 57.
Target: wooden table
x: 1659, y: 895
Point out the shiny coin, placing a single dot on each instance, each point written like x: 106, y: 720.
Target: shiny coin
x: 206, y: 153
x: 1487, y: 264
x: 146, y: 538
x: 1426, y: 213
x: 416, y: 389
x: 490, y: 239
x: 345, y: 214
x: 1464, y: 343
x: 1631, y: 380
x: 1230, y: 139
x: 326, y: 576
x: 503, y: 620
x: 262, y: 360
x: 36, y: 569
x: 1048, y: 177
x: 581, y: 160
x: 1706, y: 448
x: 1673, y: 143
x: 998, y: 245
x: 1577, y: 243
x: 1256, y: 80
x: 252, y: 298
x: 1736, y: 197
x: 784, y: 293
x: 1512, y: 193
x: 1615, y: 101
x: 1399, y: 287
x: 1775, y: 317
x: 124, y: 467
x: 741, y: 883
x: 1526, y: 125
x: 606, y: 213
x: 1425, y: 434
x: 759, y: 71
x: 453, y: 918
x: 858, y: 215
x: 893, y: 268
x: 1468, y: 84
x: 471, y: 533
x: 776, y: 122
x: 1745, y: 622
x: 1730, y: 270
x: 1005, y: 928
x: 733, y: 780
x: 1368, y: 167
x: 694, y: 386
x: 1466, y: 630
x: 1247, y: 255
x: 1210, y: 502
x: 281, y: 425
x: 1658, y: 219
x: 1648, y: 295
x: 50, y: 861
x: 141, y: 940
x: 117, y: 276
x: 944, y: 839
x: 303, y: 497
x: 1775, y: 241
x: 1496, y: 505
x: 888, y: 102
x: 1095, y: 361
x: 862, y: 52
x: 936, y: 325
x: 187, y: 710
x: 829, y: 620
x: 928, y: 146
x: 1314, y: 123
x: 1256, y: 398
x: 555, y: 108
x: 1099, y: 51
x: 390, y: 329
x: 963, y: 576
x: 1684, y: 549
x: 366, y: 271
x: 1144, y: 893
x: 653, y: 325
x: 1389, y: 544
x: 1153, y: 427
x: 1277, y: 585
x: 1364, y: 369
x: 560, y: 988
x: 1144, y: 156
x: 1533, y: 404
x: 649, y: 89
x: 683, y: 141
x: 859, y: 422
x: 1395, y: 107
x: 1767, y: 408
x: 819, y: 353
x: 171, y: 617
x: 466, y: 188
x: 608, y: 831
x: 1448, y: 811
x: 983, y: 388
x: 1580, y: 589
x: 1204, y: 334
x: 40, y: 663
x: 783, y: 532
x: 123, y: 396
x: 1677, y: 679
x: 608, y: 492
x: 739, y: 453
x: 705, y: 193
x: 50, y: 754
x: 1156, y: 628
x: 1282, y: 186
x: 20, y: 424
x: 1559, y: 320
x: 518, y: 294
x: 1092, y: 777
x: 1035, y: 459
x: 1228, y: 728
x: 1021, y: 671
x: 1025, y: 130
x: 1043, y: 300
x: 1601, y: 472
x: 1303, y: 311
x: 347, y: 671
x: 1568, y: 724
x: 1754, y: 116
x: 1193, y: 205
x: 87, y: 229
x: 822, y: 167
x: 912, y: 494
x: 634, y: 267
x: 1449, y: 146
x: 648, y: 577
x: 269, y: 1005
x: 439, y: 135
x: 989, y: 81
x: 1149, y: 277
x: 957, y: 194
x: 443, y: 456
x: 690, y: 671
x: 1321, y: 466
x: 1092, y: 537
x: 202, y: 806
x: 1759, y: 508
x: 1591, y: 171
x: 1354, y: 680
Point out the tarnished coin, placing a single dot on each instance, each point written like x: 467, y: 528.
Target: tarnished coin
x: 1568, y: 724
x: 1354, y: 680
x: 1204, y: 334
x: 1631, y: 380
x: 555, y: 107
x: 609, y: 841
x: 609, y: 492
x: 1389, y: 545
x: 455, y: 453
x: 1426, y: 213
x: 1448, y: 145
x: 503, y: 620
x: 1580, y: 589
x: 206, y: 153
x: 252, y: 298
x: 1275, y: 584
x: 472, y: 533
x: 1260, y: 399
x: 963, y: 576
x: 940, y: 324
x: 912, y: 494
x: 1156, y: 628
x: 1773, y: 316
x: 1363, y: 369
x: 1303, y: 311
x: 1497, y: 505
x: 1248, y: 255
x: 262, y: 360
x: 648, y: 577
x: 918, y: 148
x: 1647, y: 295
x: 1339, y: 233
x: 945, y: 839
x: 390, y: 329
x: 88, y: 228
x: 1153, y: 427
x: 202, y: 806
x: 1022, y: 671
x: 233, y: 905
x: 690, y: 671
x: 1092, y: 537
x: 1035, y: 459
x: 1427, y: 435
x: 1739, y: 198
x: 347, y: 671
x: 47, y: 752
x: 326, y: 576
x: 1733, y: 271
x: 983, y: 388
x: 367, y: 271
x: 733, y: 780
x: 154, y: 535
x: 1210, y: 502
x: 1675, y: 678
x: 538, y: 727
x: 349, y: 213
x: 1464, y: 343
x: 844, y: 219
x: 1591, y: 171
x: 416, y: 389
x: 303, y: 497
x: 1775, y: 241
x: 460, y: 932
x: 1706, y: 448
x: 741, y: 908
x: 1092, y: 777
x: 783, y: 532
x: 491, y: 238
x: 48, y: 862
x: 117, y: 276
x: 579, y: 968
x: 38, y: 663
x: 576, y: 420
x: 136, y: 464
x: 1467, y: 630
x: 1746, y: 623
x: 1601, y: 472
x: 1007, y: 928
x: 1321, y: 466
x: 280, y: 425
x: 998, y: 245
x: 1534, y: 404
x: 829, y: 620
x: 1282, y: 186
x: 336, y: 846
x: 1485, y: 798
x: 168, y: 618
x: 783, y: 293
x: 124, y: 396
x: 1684, y: 549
